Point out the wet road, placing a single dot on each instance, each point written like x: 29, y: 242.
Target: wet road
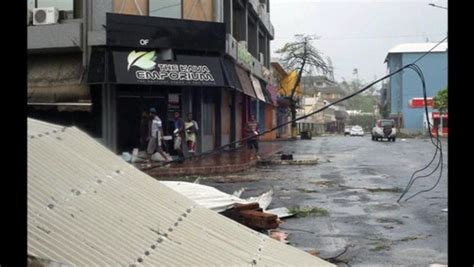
x: 358, y: 182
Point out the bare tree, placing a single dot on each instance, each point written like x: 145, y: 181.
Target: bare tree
x: 302, y: 56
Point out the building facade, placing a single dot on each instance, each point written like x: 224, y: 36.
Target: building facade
x: 322, y: 90
x: 406, y: 86
x: 113, y: 59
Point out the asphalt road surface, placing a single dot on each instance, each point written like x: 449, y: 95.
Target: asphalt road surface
x: 358, y: 182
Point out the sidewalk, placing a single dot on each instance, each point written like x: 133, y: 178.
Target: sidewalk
x: 219, y: 163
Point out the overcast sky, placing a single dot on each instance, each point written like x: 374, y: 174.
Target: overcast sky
x: 358, y: 33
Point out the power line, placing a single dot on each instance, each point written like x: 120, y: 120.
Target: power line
x: 308, y: 115
x: 438, y: 146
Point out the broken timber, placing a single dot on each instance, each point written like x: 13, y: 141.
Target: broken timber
x: 252, y: 216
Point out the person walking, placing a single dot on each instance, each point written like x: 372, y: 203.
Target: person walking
x: 156, y: 135
x: 252, y: 130
x: 192, y: 128
x: 178, y: 135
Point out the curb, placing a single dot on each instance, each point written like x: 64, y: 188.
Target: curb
x: 202, y: 170
x: 288, y: 162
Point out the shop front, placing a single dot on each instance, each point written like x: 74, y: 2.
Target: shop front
x: 161, y: 63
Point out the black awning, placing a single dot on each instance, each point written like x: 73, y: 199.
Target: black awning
x: 245, y: 81
x: 230, y: 73
x: 146, y: 32
x: 146, y: 67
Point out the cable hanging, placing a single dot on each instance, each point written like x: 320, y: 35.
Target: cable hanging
x: 437, y: 145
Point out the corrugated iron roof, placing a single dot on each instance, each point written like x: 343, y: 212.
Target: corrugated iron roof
x: 87, y: 207
x: 417, y: 48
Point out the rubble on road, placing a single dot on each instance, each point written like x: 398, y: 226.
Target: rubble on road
x: 214, y: 199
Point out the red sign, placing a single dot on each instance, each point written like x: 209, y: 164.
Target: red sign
x: 420, y: 102
x: 436, y: 115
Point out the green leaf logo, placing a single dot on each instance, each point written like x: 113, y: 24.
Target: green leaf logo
x: 143, y: 60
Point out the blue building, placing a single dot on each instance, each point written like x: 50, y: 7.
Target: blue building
x: 406, y: 85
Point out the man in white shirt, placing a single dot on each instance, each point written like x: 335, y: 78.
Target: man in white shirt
x: 155, y: 136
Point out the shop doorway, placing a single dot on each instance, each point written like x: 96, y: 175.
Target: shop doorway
x: 130, y: 106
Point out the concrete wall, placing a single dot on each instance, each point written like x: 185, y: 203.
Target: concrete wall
x: 394, y: 63
x: 407, y: 85
x: 435, y: 71
x: 96, y: 18
x: 67, y: 34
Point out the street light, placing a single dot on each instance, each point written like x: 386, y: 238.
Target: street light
x: 431, y: 4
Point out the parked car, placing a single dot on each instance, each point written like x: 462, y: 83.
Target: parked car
x: 384, y: 129
x: 347, y: 130
x: 357, y: 131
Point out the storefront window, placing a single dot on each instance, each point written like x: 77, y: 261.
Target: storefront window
x: 165, y: 8
x: 66, y: 5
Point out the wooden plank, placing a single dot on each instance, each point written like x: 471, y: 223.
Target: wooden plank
x: 259, y: 220
x: 250, y: 206
x: 198, y: 10
x: 131, y: 7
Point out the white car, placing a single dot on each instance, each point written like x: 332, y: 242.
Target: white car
x: 357, y: 131
x: 384, y: 129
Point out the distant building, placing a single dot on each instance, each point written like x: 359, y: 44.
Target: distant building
x: 405, y: 86
x: 325, y: 91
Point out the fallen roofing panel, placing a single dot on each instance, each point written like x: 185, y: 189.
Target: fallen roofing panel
x: 87, y: 207
x: 215, y: 199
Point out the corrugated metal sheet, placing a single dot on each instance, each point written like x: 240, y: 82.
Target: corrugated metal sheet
x: 214, y: 199
x: 257, y: 88
x: 87, y: 207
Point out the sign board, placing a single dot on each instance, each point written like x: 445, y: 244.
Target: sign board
x: 143, y: 67
x: 258, y: 88
x: 420, y: 102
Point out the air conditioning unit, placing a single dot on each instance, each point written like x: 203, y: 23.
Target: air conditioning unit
x: 45, y: 15
x: 29, y: 17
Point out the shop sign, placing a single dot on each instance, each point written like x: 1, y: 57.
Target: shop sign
x: 143, y: 67
x: 420, y: 102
